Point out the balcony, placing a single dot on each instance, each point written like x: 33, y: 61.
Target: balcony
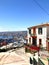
x: 31, y: 49
x: 33, y: 35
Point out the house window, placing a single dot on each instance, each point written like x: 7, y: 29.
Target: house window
x: 39, y: 30
x: 29, y: 31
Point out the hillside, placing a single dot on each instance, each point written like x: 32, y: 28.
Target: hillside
x: 13, y: 34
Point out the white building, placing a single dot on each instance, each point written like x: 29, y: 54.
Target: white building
x: 39, y: 35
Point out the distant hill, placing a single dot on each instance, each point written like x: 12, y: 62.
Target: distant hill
x: 14, y: 34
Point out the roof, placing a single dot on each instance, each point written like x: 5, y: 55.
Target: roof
x: 41, y: 25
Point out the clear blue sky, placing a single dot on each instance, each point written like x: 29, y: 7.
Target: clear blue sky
x: 16, y: 15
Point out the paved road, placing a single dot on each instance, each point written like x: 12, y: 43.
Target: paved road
x: 14, y: 57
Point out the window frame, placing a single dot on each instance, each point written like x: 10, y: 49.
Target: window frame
x: 40, y: 30
x: 29, y: 31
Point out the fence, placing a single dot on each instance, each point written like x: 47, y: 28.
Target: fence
x: 40, y: 62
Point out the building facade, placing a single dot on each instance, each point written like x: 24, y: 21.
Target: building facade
x: 39, y: 35
x: 38, y: 44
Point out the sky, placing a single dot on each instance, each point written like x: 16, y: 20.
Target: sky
x: 18, y: 15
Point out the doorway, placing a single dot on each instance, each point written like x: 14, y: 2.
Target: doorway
x: 34, y: 41
x: 40, y: 42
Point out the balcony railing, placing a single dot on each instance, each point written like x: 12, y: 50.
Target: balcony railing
x: 31, y: 48
x: 33, y: 35
x: 40, y: 62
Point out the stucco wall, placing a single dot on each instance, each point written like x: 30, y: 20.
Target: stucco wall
x: 43, y: 36
x: 31, y: 31
x: 29, y: 36
x: 47, y: 31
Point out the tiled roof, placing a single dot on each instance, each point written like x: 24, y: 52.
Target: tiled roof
x: 41, y: 25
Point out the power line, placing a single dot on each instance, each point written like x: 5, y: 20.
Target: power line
x: 41, y: 7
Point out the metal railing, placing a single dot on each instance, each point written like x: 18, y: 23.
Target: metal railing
x: 33, y: 34
x: 40, y: 62
x: 34, y: 61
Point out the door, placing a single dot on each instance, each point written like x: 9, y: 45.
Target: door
x: 40, y: 42
x: 34, y: 41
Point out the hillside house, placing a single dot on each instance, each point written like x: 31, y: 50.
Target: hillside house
x: 39, y: 35
x: 38, y: 44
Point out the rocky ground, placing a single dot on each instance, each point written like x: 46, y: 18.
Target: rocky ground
x: 14, y: 57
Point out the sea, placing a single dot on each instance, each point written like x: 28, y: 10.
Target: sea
x: 6, y: 37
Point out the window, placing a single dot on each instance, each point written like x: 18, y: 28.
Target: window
x: 29, y: 31
x: 39, y: 30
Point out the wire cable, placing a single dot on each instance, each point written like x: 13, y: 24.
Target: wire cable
x: 41, y: 7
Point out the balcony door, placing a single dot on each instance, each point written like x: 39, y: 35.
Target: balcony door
x: 34, y: 41
x: 40, y: 42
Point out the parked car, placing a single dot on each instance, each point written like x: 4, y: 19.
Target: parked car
x: 15, y: 44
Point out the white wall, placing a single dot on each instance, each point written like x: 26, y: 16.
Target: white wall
x: 28, y: 40
x: 43, y: 36
x: 47, y: 31
x: 29, y: 36
x: 31, y: 31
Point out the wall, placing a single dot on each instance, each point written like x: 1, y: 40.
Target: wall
x: 31, y: 31
x: 47, y: 31
x: 29, y: 36
x: 43, y: 36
